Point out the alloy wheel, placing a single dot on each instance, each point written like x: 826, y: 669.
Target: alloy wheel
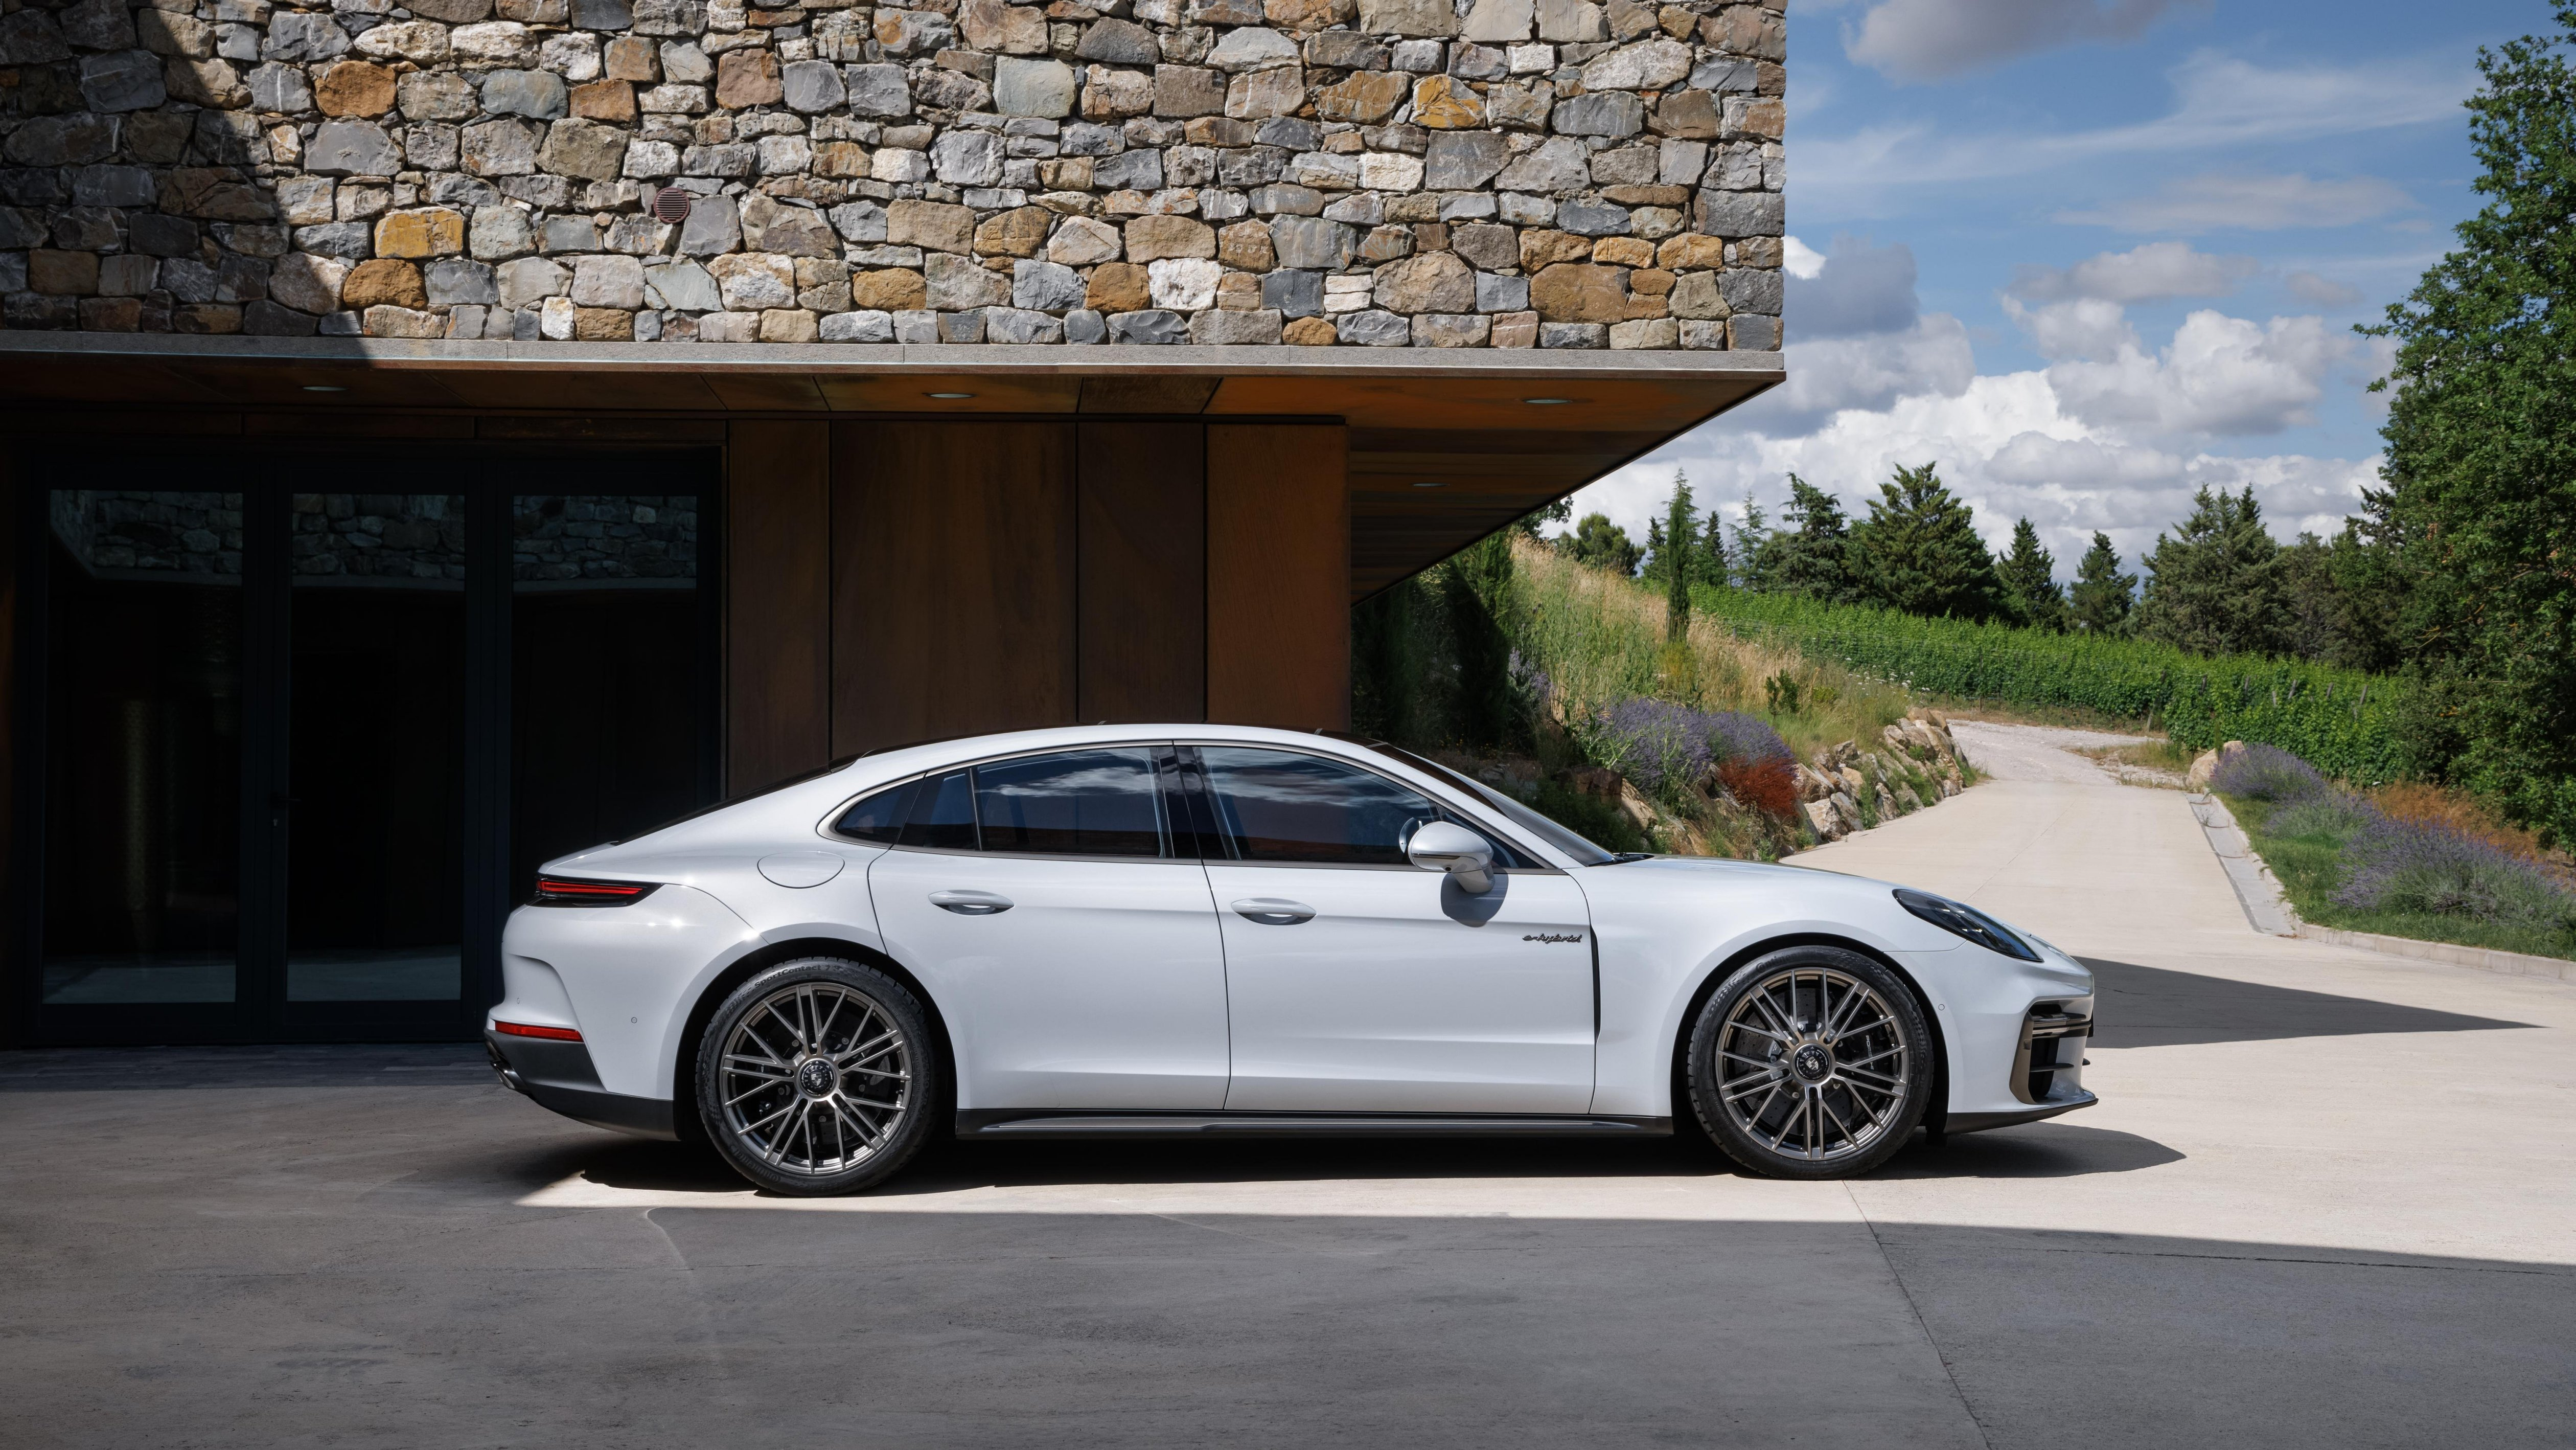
x: 816, y: 1079
x: 1811, y: 1064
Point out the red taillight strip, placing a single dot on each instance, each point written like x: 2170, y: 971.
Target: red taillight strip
x: 555, y: 886
x: 530, y: 1029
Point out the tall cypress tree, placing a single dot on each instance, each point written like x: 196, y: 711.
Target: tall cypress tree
x: 2481, y: 499
x: 1679, y: 555
x: 1752, y: 532
x: 2101, y: 599
x: 1919, y: 551
x: 2215, y: 585
x: 2029, y: 574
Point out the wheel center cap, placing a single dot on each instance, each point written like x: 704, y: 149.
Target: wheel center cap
x: 1811, y: 1063
x: 816, y: 1078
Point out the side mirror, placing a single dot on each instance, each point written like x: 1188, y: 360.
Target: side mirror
x: 1448, y: 846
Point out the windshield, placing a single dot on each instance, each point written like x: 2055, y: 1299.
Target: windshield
x: 1566, y: 842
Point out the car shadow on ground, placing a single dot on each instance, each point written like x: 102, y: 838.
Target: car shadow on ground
x: 2038, y: 1150
x: 2135, y: 1006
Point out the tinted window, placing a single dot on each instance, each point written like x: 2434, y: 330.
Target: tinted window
x: 1277, y: 805
x: 1582, y: 850
x: 880, y: 817
x: 943, y: 814
x: 1078, y: 803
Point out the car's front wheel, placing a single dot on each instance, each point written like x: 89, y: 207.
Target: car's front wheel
x: 817, y: 1076
x: 1810, y: 1062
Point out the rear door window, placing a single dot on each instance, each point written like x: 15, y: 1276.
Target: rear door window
x: 1104, y: 802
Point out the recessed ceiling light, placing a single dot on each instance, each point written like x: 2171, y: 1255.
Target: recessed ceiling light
x: 948, y: 395
x: 1431, y: 483
x: 323, y: 388
x: 1546, y: 402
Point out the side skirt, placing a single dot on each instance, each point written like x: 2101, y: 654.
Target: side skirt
x: 1055, y: 1123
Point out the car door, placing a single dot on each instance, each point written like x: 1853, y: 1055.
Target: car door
x: 1358, y: 982
x: 1073, y: 953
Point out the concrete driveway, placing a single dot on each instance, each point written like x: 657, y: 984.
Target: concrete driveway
x: 2324, y: 1202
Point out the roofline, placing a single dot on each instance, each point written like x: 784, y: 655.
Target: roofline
x: 1184, y: 359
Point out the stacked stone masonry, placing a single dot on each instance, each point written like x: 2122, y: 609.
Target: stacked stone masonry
x: 1377, y: 173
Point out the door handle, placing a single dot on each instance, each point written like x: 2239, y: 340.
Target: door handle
x: 971, y: 903
x: 1273, y: 910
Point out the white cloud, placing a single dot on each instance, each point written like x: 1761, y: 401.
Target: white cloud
x: 2155, y: 272
x: 2324, y: 292
x: 1800, y: 260
x: 2220, y: 104
x: 2115, y: 439
x: 2249, y: 203
x: 1936, y: 39
x: 2221, y: 375
x: 2083, y: 327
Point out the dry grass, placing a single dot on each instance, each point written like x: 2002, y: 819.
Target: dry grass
x: 1601, y: 640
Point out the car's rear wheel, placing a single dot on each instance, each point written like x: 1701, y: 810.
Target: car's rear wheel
x: 1810, y: 1062
x: 817, y: 1076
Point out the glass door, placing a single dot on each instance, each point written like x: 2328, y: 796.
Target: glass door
x: 375, y: 752
x: 294, y: 754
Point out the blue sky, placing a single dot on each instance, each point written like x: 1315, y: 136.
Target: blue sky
x: 2089, y: 255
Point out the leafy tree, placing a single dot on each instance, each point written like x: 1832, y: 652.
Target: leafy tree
x: 2339, y: 601
x: 1812, y: 555
x: 2101, y: 599
x: 2480, y: 507
x: 1604, y: 545
x: 2029, y: 574
x: 1918, y: 551
x: 1552, y: 513
x: 2214, y: 587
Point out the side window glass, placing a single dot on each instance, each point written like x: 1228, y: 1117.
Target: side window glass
x: 880, y: 817
x: 1278, y: 805
x: 943, y: 814
x: 1076, y: 803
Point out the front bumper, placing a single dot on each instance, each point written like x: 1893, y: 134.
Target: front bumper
x: 559, y: 1076
x: 2047, y: 1070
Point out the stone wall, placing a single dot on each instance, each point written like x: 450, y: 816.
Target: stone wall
x: 414, y: 539
x: 1450, y: 173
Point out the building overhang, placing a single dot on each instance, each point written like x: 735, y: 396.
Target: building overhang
x: 1445, y: 445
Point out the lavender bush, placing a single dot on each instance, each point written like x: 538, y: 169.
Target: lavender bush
x: 2423, y: 866
x: 2267, y: 773
x: 2399, y: 865
x: 1664, y: 747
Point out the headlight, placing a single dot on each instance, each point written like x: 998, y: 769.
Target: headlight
x: 1967, y: 922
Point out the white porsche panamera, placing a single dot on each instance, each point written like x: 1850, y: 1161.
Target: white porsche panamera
x: 1215, y: 930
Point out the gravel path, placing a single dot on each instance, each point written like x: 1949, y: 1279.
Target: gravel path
x: 2036, y: 752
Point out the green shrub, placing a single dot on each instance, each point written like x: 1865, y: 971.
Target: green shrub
x: 2343, y: 721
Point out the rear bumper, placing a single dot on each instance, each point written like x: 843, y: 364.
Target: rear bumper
x: 559, y: 1077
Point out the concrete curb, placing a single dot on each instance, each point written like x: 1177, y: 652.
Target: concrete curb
x: 2259, y: 892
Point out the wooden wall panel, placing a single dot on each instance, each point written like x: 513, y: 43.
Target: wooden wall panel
x: 1143, y: 593
x: 778, y: 602
x: 1279, y: 569
x: 954, y: 579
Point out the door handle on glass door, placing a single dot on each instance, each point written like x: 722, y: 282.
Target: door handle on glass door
x: 1274, y: 910
x: 971, y: 903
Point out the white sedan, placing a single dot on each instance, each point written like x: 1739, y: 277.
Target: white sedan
x: 1200, y: 930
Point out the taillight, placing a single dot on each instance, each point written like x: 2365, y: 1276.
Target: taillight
x: 530, y: 1029
x: 566, y: 891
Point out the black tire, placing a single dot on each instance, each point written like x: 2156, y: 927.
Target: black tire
x: 839, y: 1083
x: 1788, y: 1064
